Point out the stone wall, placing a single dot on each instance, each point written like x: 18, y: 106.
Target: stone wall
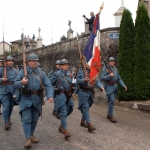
x: 68, y: 49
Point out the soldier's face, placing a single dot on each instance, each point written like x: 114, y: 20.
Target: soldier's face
x: 33, y: 63
x: 57, y: 66
x: 112, y: 63
x: 64, y: 67
x: 10, y: 63
x: 1, y: 64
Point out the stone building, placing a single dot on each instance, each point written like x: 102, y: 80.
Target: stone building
x: 7, y: 47
x: 147, y: 4
x: 17, y: 45
x: 118, y: 14
x: 30, y: 43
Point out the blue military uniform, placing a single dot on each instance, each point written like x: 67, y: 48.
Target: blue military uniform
x: 110, y: 85
x: 85, y: 96
x: 7, y: 91
x: 64, y: 106
x: 50, y: 75
x: 31, y: 101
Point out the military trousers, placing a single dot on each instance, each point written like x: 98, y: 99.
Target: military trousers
x: 29, y: 118
x: 111, y: 100
x: 7, y: 104
x: 63, y: 115
x: 85, y: 111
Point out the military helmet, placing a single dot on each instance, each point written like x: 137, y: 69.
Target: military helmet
x: 111, y: 59
x: 64, y: 61
x: 9, y: 58
x: 57, y: 62
x: 32, y: 57
x: 1, y: 60
x: 39, y: 65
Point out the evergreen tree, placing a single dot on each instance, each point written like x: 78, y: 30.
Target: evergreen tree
x: 126, y: 55
x: 142, y: 54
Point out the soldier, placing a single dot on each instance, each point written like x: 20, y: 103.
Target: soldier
x: 1, y: 64
x: 54, y: 71
x: 86, y: 95
x: 7, y: 90
x: 63, y: 90
x: 31, y: 97
x: 55, y: 68
x: 111, y: 79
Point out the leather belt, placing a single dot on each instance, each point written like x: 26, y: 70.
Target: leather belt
x: 112, y: 82
x: 85, y: 89
x: 34, y: 92
x: 6, y: 83
x: 62, y: 91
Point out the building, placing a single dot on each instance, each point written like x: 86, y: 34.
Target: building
x: 147, y: 4
x: 29, y: 44
x: 7, y: 47
x: 118, y: 14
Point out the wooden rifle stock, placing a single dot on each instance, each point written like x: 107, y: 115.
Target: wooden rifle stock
x: 24, y: 57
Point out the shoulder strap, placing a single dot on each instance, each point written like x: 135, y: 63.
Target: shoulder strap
x: 39, y: 79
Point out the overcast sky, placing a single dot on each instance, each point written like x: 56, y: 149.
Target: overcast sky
x: 52, y: 16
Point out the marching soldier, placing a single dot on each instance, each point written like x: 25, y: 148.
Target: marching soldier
x: 1, y: 64
x: 31, y: 97
x: 111, y: 79
x: 54, y: 71
x: 86, y: 95
x: 7, y: 90
x: 63, y: 95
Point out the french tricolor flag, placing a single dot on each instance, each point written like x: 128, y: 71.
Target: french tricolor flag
x: 92, y: 51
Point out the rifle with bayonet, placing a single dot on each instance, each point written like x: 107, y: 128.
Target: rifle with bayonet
x: 82, y: 62
x: 106, y: 63
x: 24, y: 57
x: 4, y: 59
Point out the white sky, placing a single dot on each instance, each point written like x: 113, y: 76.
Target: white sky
x: 52, y: 16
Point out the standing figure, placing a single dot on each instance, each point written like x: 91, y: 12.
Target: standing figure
x: 111, y: 79
x: 86, y: 97
x: 55, y: 69
x: 31, y: 97
x: 62, y: 81
x: 90, y: 21
x: 7, y: 90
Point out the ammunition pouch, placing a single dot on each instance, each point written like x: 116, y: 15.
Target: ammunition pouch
x: 40, y: 92
x: 56, y: 91
x: 25, y: 92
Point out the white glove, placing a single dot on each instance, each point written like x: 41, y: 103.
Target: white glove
x: 45, y: 98
x: 73, y: 81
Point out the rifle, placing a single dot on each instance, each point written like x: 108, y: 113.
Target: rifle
x: 106, y: 63
x: 82, y: 60
x: 4, y: 58
x: 24, y: 57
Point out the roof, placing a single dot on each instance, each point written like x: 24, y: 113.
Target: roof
x: 5, y: 42
x: 26, y: 40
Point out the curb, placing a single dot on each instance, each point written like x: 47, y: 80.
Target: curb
x: 145, y: 105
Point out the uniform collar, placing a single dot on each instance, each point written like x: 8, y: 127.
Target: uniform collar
x: 9, y: 68
x: 64, y: 72
x: 30, y: 70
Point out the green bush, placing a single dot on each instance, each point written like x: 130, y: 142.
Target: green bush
x: 126, y: 55
x: 142, y: 54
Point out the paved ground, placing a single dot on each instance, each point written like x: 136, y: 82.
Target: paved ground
x: 132, y: 132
